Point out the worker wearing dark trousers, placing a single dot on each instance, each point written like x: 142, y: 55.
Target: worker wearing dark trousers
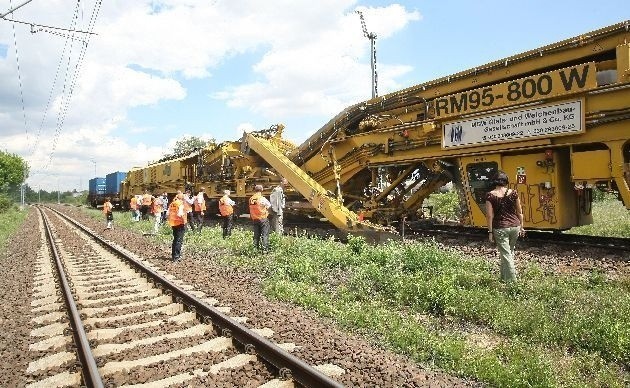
x: 177, y: 221
x: 226, y: 208
x: 258, y: 212
x: 199, y: 208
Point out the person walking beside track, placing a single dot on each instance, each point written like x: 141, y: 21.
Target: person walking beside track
x: 259, y: 212
x: 277, y: 200
x: 199, y: 208
x: 138, y: 206
x: 157, y: 212
x: 226, y: 208
x: 505, y: 222
x: 177, y: 220
x: 109, y: 216
x: 164, y: 206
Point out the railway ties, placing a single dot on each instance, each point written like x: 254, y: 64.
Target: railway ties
x: 141, y: 327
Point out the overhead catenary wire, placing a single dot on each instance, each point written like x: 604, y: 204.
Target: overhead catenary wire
x: 19, y: 74
x: 50, y: 27
x: 50, y: 96
x: 14, y: 8
x: 79, y: 63
x: 63, y: 89
x: 66, y: 97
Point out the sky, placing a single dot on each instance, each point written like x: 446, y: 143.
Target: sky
x: 92, y: 87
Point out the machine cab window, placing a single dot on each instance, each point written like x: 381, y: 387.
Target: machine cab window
x: 479, y: 180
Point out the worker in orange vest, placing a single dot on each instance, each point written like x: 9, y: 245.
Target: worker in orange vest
x: 133, y: 206
x: 145, y: 209
x: 107, y: 210
x: 259, y: 212
x: 177, y: 220
x: 199, y: 208
x: 226, y: 208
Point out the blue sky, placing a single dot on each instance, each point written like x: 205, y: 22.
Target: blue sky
x: 159, y: 70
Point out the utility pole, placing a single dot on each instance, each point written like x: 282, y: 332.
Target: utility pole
x: 372, y: 37
x: 93, y: 161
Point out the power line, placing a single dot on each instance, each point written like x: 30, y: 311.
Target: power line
x: 17, y: 60
x: 49, y: 27
x: 14, y: 8
x: 50, y: 96
x: 63, y: 91
x: 67, y: 98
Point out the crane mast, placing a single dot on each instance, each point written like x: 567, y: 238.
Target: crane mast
x: 372, y: 37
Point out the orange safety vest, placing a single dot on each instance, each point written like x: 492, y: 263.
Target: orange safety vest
x: 146, y: 200
x: 256, y: 210
x: 133, y: 203
x: 173, y: 218
x: 199, y: 207
x: 107, y: 207
x: 224, y: 206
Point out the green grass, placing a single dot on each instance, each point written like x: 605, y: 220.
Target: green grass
x: 447, y: 310
x: 10, y: 221
x: 610, y: 218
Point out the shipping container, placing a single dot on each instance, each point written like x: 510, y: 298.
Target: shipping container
x: 96, y: 192
x: 97, y: 186
x: 112, y: 183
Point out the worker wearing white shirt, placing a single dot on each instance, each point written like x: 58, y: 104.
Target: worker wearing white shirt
x: 277, y: 200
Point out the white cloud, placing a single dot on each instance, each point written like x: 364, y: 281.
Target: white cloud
x: 244, y: 128
x: 320, y: 72
x: 313, y: 60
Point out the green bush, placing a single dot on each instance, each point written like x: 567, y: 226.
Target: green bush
x: 445, y: 205
x: 5, y: 203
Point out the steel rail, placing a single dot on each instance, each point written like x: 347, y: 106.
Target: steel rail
x: 287, y: 364
x: 531, y: 236
x: 91, y: 376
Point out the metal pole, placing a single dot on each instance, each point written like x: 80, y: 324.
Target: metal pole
x: 403, y: 227
x: 93, y: 161
x: 15, y: 8
x: 58, y: 200
x: 373, y: 63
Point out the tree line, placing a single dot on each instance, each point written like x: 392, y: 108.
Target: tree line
x: 14, y: 170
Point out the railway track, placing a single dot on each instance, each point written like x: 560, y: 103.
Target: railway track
x: 532, y: 237
x: 125, y: 322
x: 415, y: 230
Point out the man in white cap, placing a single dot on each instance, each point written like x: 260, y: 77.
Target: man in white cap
x: 277, y: 200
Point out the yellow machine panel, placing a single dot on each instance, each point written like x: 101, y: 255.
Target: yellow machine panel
x: 591, y: 165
